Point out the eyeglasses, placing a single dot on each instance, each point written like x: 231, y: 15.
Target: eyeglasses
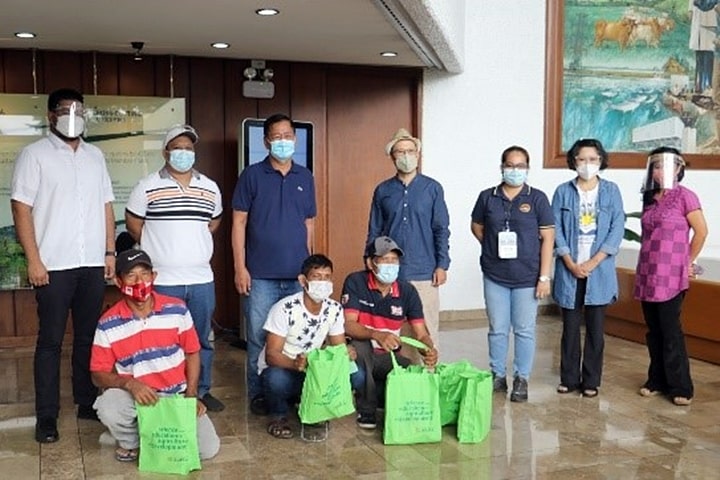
x: 412, y: 151
x: 516, y: 166
x: 587, y: 160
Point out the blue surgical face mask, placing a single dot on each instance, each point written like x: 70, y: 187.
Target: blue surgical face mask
x: 282, y: 150
x: 182, y: 160
x: 387, y: 273
x: 514, y: 177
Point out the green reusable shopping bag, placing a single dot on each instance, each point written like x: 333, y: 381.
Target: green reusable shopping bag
x: 412, y: 406
x: 168, y: 436
x: 326, y: 392
x: 452, y: 385
x: 475, y: 415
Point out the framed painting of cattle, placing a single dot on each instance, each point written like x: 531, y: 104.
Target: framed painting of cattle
x: 635, y: 75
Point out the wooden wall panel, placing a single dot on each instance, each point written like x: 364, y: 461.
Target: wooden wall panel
x: 2, y: 71
x: 100, y: 71
x: 307, y: 85
x: 61, y: 70
x: 358, y: 127
x: 26, y: 323
x: 7, y: 313
x: 136, y: 78
x: 177, y: 68
x: 19, y: 72
x: 280, y: 103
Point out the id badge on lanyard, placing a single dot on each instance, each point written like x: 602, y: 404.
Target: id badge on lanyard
x: 507, y: 244
x: 507, y: 240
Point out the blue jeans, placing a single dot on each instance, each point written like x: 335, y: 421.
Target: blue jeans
x: 263, y: 295
x: 506, y: 307
x: 281, y: 385
x: 200, y: 300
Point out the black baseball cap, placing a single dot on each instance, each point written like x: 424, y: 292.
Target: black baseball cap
x: 126, y: 260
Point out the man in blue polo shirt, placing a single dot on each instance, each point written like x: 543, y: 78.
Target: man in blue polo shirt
x: 516, y: 228
x: 272, y: 233
x: 376, y: 306
x: 410, y: 207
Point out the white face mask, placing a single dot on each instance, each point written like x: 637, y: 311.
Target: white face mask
x: 319, y: 290
x: 70, y: 126
x: 586, y: 171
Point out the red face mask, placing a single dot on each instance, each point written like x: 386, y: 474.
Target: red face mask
x: 139, y: 292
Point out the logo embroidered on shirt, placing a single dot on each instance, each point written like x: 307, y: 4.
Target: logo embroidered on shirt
x: 396, y: 310
x: 365, y: 302
x: 345, y: 298
x: 300, y: 189
x: 524, y: 207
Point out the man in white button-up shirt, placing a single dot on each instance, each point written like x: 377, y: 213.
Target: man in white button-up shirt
x: 62, y: 208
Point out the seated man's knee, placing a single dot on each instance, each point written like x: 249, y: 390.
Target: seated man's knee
x: 276, y: 380
x: 115, y: 406
x: 208, y: 440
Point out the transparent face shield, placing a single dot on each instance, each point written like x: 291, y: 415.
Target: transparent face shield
x: 662, y: 171
x: 70, y: 121
x: 74, y: 114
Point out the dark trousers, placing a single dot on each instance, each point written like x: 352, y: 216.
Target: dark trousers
x: 669, y: 370
x: 80, y: 290
x: 592, y: 354
x: 375, y: 368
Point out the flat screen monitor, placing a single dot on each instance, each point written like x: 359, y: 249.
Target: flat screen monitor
x: 252, y: 148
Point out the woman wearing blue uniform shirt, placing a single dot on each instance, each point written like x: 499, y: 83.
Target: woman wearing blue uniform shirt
x: 514, y: 224
x: 589, y: 226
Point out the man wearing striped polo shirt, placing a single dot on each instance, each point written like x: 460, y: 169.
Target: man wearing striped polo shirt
x: 172, y: 214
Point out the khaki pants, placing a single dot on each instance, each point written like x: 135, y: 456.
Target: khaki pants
x: 430, y: 298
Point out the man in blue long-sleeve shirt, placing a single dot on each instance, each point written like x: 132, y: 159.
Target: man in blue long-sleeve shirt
x: 410, y: 208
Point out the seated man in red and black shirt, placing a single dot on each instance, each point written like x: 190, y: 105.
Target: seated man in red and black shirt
x: 376, y: 305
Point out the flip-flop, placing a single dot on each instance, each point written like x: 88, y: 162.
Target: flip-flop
x: 280, y: 429
x: 126, y: 454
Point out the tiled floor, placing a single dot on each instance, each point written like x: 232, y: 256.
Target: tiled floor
x: 618, y: 435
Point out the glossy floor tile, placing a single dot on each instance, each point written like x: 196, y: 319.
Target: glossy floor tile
x: 618, y: 435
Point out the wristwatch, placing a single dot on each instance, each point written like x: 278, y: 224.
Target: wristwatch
x: 543, y: 278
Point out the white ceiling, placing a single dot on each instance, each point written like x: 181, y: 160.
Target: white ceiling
x: 328, y: 31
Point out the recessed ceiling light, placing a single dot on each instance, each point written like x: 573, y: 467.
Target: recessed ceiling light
x: 220, y: 45
x: 388, y: 54
x: 25, y: 35
x: 267, y: 12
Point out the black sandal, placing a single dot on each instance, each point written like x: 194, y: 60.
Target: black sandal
x: 280, y: 429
